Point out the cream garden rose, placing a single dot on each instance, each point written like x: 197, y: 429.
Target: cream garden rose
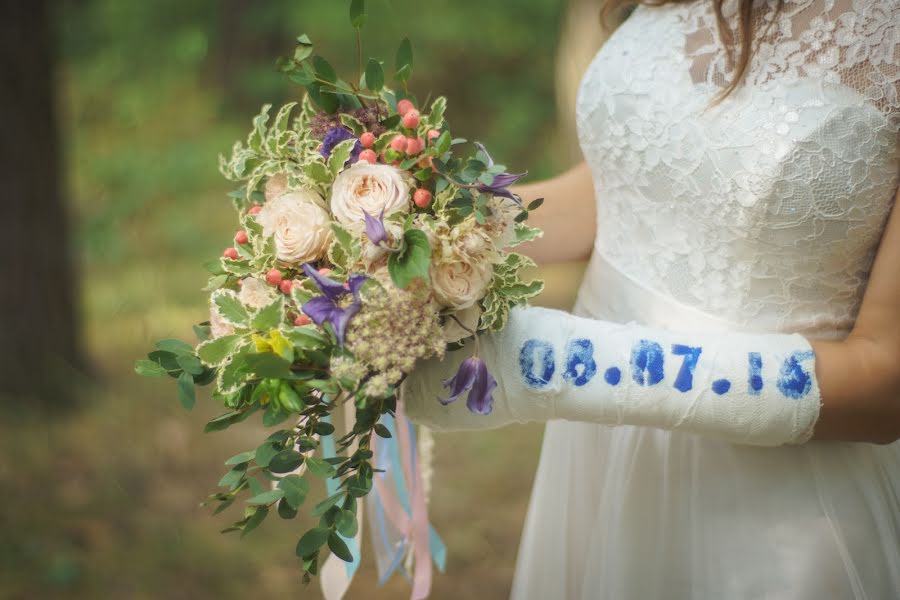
x: 459, y: 284
x: 372, y: 188
x: 300, y: 225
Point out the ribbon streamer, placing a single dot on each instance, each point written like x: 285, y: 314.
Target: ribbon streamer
x: 336, y: 574
x: 398, y: 513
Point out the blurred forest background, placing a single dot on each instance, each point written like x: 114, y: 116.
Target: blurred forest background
x: 114, y: 115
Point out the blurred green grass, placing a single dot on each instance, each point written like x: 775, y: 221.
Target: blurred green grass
x: 103, y: 502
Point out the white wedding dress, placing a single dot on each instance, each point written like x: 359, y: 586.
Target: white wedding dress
x: 761, y: 214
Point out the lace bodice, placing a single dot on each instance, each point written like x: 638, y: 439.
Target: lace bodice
x: 767, y: 209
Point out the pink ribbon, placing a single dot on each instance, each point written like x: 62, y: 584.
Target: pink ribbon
x: 334, y: 580
x: 419, y: 523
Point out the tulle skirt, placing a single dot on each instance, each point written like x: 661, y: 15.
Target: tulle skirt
x: 637, y: 513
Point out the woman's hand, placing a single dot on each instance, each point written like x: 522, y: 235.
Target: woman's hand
x: 426, y: 397
x: 757, y: 389
x: 568, y: 216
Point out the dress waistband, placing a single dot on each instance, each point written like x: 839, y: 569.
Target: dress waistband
x: 608, y: 293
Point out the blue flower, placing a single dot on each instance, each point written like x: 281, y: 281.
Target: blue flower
x: 335, y: 136
x: 375, y: 228
x: 327, y: 308
x: 474, y: 377
x: 501, y: 182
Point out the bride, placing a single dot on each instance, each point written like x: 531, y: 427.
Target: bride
x: 723, y: 404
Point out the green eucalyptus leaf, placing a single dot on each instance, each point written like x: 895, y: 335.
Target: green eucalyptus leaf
x: 311, y: 541
x: 256, y: 518
x: 404, y: 61
x: 243, y: 457
x: 346, y: 523
x: 324, y: 69
x: 295, y: 489
x: 265, y: 453
x: 327, y: 102
x: 285, y: 510
x: 148, y: 368
x: 339, y: 547
x: 323, y: 428
x: 223, y: 505
x: 228, y: 419
x: 174, y: 346
x: 304, y: 48
x: 205, y: 377
x: 319, y: 467
x: 190, y: 363
x: 233, y: 477
x: 359, y: 486
x: 186, y: 393
x: 267, y: 497
x: 357, y: 13
x: 374, y: 75
x: 325, y: 505
x: 285, y: 461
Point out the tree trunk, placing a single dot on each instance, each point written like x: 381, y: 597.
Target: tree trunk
x: 39, y: 329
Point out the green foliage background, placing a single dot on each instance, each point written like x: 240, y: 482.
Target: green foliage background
x: 106, y: 499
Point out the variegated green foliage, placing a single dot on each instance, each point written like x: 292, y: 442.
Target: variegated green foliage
x: 282, y: 146
x: 507, y: 290
x: 344, y: 251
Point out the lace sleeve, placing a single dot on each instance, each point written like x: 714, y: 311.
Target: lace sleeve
x: 852, y: 42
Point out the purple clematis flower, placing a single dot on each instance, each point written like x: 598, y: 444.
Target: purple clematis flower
x: 326, y: 307
x: 501, y: 182
x: 474, y: 377
x: 335, y: 136
x: 375, y: 230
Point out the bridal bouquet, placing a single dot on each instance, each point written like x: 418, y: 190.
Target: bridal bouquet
x: 367, y: 239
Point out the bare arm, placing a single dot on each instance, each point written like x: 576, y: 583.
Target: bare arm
x: 568, y: 216
x: 859, y: 377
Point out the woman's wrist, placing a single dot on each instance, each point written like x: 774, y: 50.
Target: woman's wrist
x: 567, y: 217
